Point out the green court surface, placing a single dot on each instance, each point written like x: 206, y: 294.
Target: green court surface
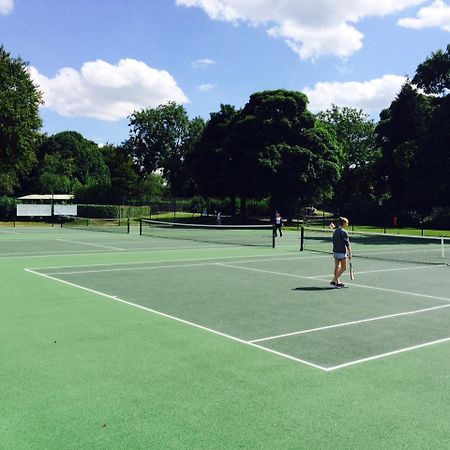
x: 115, y: 341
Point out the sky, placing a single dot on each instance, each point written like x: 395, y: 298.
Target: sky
x: 98, y: 61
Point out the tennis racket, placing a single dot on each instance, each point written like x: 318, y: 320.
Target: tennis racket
x: 352, y: 272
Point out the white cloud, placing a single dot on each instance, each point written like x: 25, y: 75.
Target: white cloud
x: 312, y: 28
x: 435, y: 15
x: 371, y: 96
x: 6, y: 7
x: 206, y: 87
x: 106, y: 91
x: 202, y: 63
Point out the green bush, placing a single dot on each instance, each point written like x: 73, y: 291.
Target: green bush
x: 7, y: 208
x: 439, y: 218
x: 99, y: 211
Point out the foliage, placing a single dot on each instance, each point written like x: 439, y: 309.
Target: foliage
x: 7, y: 208
x: 208, y: 160
x: 99, y: 211
x: 401, y: 135
x: 355, y: 132
x: 67, y: 161
x: 279, y: 149
x: 159, y: 140
x: 438, y: 218
x: 19, y: 121
x: 433, y: 75
x: 124, y: 178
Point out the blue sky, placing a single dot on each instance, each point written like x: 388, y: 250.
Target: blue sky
x: 96, y: 61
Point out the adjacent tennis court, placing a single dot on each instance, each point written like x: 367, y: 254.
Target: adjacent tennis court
x: 254, y: 325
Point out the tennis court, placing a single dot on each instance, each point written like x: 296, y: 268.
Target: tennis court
x: 259, y: 324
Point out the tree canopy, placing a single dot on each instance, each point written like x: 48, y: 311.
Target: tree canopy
x: 19, y: 121
x: 159, y: 140
x: 355, y: 132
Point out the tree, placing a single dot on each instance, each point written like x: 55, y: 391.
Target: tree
x: 277, y: 148
x: 355, y: 132
x: 69, y: 155
x: 55, y: 175
x: 160, y: 138
x: 124, y: 178
x: 433, y: 75
x: 208, y: 160
x: 401, y: 135
x: 19, y: 121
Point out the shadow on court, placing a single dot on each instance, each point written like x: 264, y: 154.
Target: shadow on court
x: 314, y: 288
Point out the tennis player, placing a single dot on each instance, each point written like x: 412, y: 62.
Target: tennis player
x: 278, y: 223
x: 341, y: 250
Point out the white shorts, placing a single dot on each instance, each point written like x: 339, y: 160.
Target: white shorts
x: 340, y: 256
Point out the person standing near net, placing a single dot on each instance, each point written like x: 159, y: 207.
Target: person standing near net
x: 278, y: 223
x: 341, y: 250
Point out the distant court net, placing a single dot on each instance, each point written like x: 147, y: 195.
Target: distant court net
x: 390, y: 247
x: 251, y: 235
x: 89, y: 224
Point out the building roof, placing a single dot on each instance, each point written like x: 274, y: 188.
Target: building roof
x: 47, y: 197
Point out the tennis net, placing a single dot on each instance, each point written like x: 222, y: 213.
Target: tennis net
x: 90, y: 224
x: 393, y: 247
x: 252, y: 235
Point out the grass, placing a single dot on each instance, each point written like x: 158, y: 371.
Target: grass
x: 402, y: 231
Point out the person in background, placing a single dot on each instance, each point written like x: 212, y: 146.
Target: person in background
x: 219, y: 218
x: 278, y: 223
x: 341, y: 250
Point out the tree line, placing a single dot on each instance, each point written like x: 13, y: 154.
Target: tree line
x: 272, y: 148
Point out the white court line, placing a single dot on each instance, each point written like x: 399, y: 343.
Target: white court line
x: 136, y: 250
x: 354, y: 322
x: 9, y: 232
x: 127, y: 269
x: 352, y: 284
x: 168, y: 316
x: 385, y: 270
x: 158, y: 262
x: 49, y: 254
x: 92, y: 245
x: 214, y: 258
x: 383, y: 355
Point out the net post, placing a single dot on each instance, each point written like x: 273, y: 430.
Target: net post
x: 302, y: 238
x: 128, y: 225
x: 273, y: 236
x: 442, y: 248
x: 140, y: 226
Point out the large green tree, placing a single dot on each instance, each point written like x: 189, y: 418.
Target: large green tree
x: 208, y: 160
x: 124, y: 178
x: 433, y: 75
x: 159, y: 140
x: 355, y: 132
x: 400, y: 133
x: 278, y: 148
x: 74, y: 159
x: 19, y: 121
